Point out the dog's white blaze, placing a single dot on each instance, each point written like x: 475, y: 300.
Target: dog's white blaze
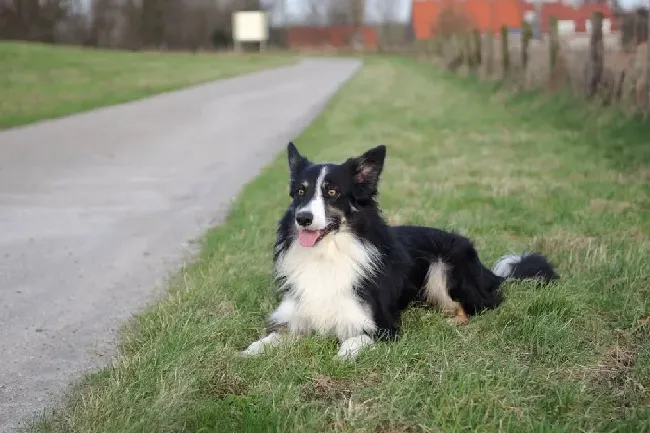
x: 317, y: 205
x: 436, y: 289
x: 504, y: 266
x: 321, y: 281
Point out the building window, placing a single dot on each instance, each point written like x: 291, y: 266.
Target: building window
x: 529, y: 17
x: 566, y: 27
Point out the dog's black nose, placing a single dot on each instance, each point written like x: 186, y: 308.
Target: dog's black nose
x: 304, y: 218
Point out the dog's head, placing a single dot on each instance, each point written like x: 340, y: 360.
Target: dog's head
x: 326, y: 196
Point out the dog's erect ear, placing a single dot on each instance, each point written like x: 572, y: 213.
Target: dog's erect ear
x: 366, y: 170
x: 296, y: 161
x: 367, y: 167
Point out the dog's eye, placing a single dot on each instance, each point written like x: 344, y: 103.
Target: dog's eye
x: 301, y: 190
x: 332, y: 192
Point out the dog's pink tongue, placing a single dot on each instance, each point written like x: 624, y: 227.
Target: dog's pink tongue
x: 308, y: 238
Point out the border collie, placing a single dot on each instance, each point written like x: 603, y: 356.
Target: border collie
x: 342, y: 271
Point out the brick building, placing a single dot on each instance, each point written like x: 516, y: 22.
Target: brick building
x: 336, y: 36
x: 490, y: 15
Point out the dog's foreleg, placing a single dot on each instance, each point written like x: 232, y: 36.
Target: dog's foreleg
x: 278, y: 330
x: 258, y: 347
x: 351, y: 347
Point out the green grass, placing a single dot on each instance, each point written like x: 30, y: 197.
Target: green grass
x: 512, y: 173
x: 41, y: 82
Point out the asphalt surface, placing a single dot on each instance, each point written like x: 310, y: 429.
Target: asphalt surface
x: 97, y: 209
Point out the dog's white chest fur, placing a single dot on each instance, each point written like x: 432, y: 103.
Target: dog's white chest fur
x: 322, y: 281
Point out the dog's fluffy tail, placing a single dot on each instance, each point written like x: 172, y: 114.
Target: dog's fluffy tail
x: 526, y: 266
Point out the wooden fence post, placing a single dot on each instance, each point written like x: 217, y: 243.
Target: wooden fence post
x: 489, y: 38
x: 505, y: 52
x: 469, y: 52
x: 647, y: 63
x: 554, y: 43
x: 596, y: 53
x: 456, y: 47
x: 477, y: 46
x: 526, y: 36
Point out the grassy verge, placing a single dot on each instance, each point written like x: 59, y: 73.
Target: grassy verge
x: 41, y: 82
x: 512, y: 174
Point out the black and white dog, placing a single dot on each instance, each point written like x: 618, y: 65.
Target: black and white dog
x: 343, y: 271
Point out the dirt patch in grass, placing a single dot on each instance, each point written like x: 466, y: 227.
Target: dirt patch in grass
x: 614, y: 370
x: 325, y: 388
x: 223, y: 384
x: 611, y: 370
x: 388, y: 427
x: 604, y: 205
x: 329, y: 389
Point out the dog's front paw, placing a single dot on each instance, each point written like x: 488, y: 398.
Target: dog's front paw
x: 258, y: 347
x: 351, y: 347
x: 255, y: 348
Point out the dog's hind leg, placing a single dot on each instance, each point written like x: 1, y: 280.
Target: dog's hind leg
x: 436, y: 293
x: 460, y: 316
x: 436, y: 288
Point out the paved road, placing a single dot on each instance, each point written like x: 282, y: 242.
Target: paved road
x: 96, y: 209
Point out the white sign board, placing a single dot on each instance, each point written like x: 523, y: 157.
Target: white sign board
x: 250, y: 26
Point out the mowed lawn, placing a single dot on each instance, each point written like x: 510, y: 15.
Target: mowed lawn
x: 511, y: 173
x: 41, y: 81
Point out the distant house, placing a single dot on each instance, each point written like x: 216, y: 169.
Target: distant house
x: 336, y: 36
x: 485, y: 15
x: 571, y: 19
x: 491, y: 15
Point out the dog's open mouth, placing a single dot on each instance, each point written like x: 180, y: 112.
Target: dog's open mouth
x: 309, y: 238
